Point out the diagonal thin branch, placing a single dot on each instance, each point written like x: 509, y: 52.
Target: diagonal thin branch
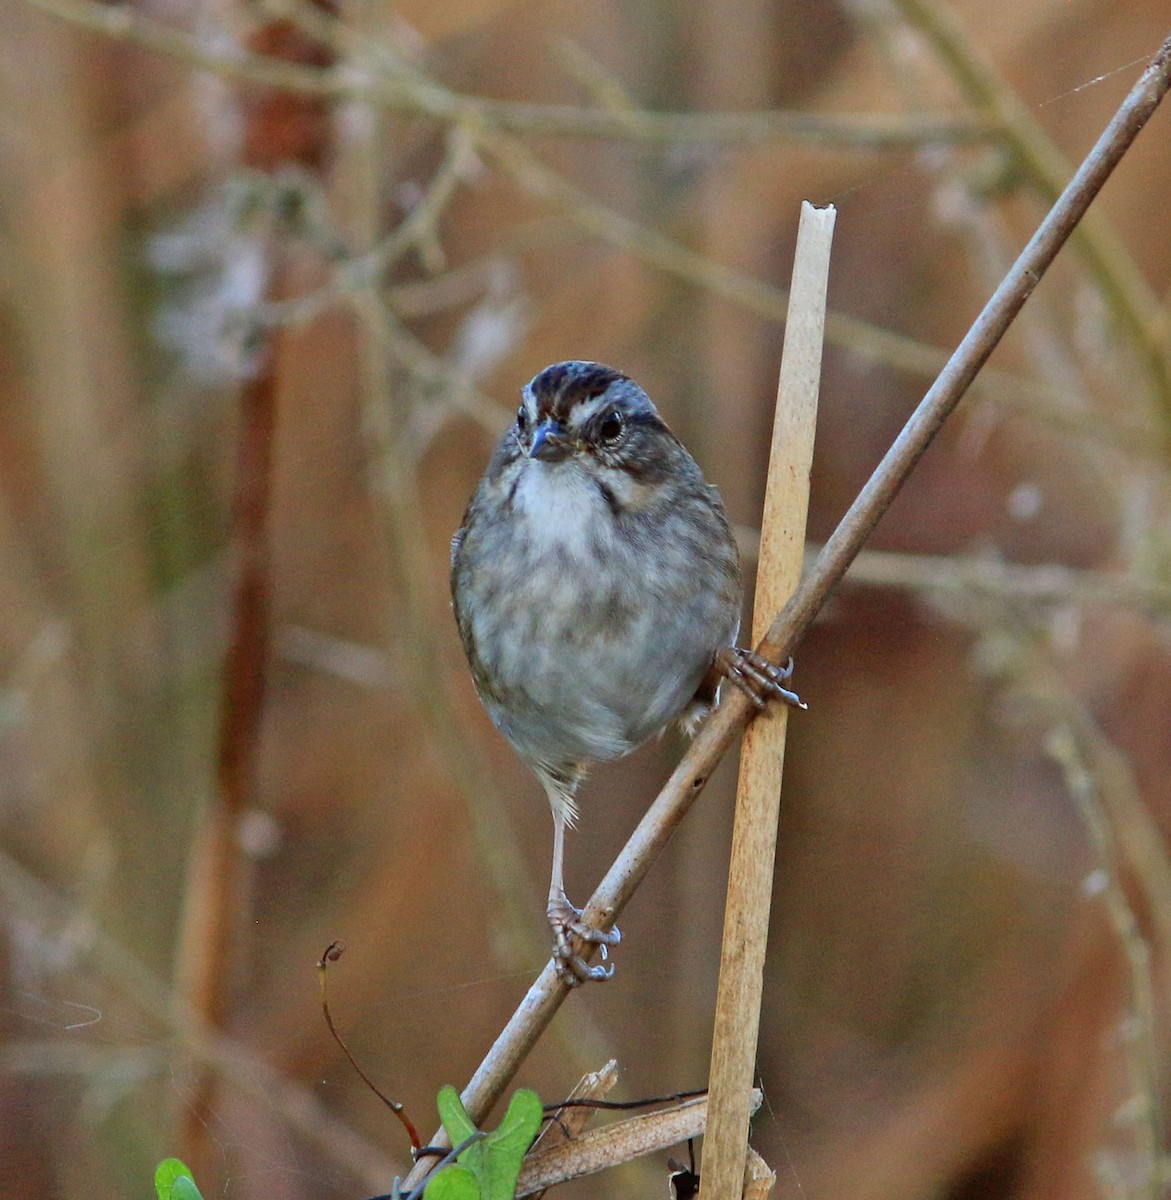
x: 545, y: 996
x: 971, y: 354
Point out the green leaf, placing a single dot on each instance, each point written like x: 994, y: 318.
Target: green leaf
x: 505, y: 1148
x: 452, y: 1182
x: 494, y: 1161
x: 453, y: 1115
x: 174, y: 1181
x: 459, y: 1128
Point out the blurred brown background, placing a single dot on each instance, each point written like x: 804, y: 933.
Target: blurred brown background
x: 967, y: 989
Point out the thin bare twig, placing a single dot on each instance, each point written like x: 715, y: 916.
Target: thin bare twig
x: 545, y: 996
x: 332, y: 953
x: 1140, y: 1047
x: 872, y: 131
x: 453, y: 389
x: 366, y: 270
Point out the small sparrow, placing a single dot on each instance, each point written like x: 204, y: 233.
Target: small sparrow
x: 596, y: 587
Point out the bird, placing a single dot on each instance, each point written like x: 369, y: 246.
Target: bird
x: 596, y: 588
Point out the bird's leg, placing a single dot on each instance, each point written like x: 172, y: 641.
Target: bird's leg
x: 755, y: 676
x: 565, y: 920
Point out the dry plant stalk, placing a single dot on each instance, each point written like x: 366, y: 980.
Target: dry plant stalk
x: 215, y: 889
x: 759, y: 1177
x: 620, y: 1142
x: 568, y: 1122
x: 758, y: 795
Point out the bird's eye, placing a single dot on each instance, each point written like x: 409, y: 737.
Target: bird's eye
x: 611, y: 427
x: 522, y: 419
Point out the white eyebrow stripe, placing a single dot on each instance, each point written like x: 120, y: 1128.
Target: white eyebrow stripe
x: 584, y: 411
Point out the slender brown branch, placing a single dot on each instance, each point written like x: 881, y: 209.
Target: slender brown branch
x: 216, y: 880
x: 332, y: 953
x: 688, y: 779
x: 243, y: 694
x: 276, y: 131
x: 874, y: 131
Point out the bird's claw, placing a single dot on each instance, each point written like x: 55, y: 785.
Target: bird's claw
x: 567, y: 925
x: 758, y: 678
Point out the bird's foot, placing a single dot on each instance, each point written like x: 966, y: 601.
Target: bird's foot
x: 756, y: 677
x: 567, y: 925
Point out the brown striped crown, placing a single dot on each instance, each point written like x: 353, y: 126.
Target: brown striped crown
x: 557, y: 389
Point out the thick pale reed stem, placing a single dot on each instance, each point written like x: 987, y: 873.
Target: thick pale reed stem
x: 758, y: 797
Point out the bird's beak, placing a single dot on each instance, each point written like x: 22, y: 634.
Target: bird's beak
x: 549, y: 442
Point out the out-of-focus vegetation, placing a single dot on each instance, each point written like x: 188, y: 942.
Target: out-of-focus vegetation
x: 968, y: 990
